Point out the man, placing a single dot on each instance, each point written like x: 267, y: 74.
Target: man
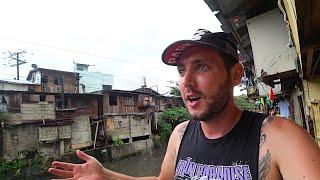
x: 220, y: 141
x: 284, y: 107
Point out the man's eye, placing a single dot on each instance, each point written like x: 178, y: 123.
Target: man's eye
x: 181, y: 71
x: 202, y: 67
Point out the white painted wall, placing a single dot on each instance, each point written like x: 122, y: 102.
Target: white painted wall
x: 13, y: 86
x: 269, y: 39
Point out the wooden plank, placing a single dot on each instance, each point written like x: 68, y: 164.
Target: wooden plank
x: 309, y: 62
x: 315, y: 107
x: 291, y: 13
x: 95, y: 135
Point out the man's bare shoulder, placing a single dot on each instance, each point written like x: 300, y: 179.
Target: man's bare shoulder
x: 282, y: 127
x: 180, y: 129
x: 284, y: 132
x: 287, y: 145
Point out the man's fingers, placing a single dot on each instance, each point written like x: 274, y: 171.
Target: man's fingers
x: 63, y: 165
x: 61, y: 173
x: 83, y: 155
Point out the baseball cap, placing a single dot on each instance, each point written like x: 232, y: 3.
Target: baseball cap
x: 220, y: 41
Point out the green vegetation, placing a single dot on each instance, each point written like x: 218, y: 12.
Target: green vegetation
x: 169, y: 119
x: 116, y: 141
x: 174, y: 90
x: 27, y: 164
x: 245, y: 103
x: 157, y: 143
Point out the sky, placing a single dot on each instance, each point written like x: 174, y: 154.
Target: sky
x: 122, y: 38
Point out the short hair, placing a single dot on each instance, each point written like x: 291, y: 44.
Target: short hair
x: 228, y: 60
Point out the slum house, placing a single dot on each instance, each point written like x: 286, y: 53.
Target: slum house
x: 22, y: 110
x: 59, y: 121
x: 82, y: 108
x: 129, y: 114
x: 160, y: 104
x: 33, y: 122
x: 279, y: 48
x: 55, y: 81
x: 86, y: 110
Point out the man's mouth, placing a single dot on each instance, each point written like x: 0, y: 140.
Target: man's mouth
x: 193, y: 99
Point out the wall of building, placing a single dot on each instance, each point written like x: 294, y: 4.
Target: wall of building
x: 13, y: 86
x: 54, y: 140
x: 93, y: 81
x: 130, y: 148
x: 19, y: 138
x: 106, y: 108
x: 269, y: 39
x: 86, y: 105
x: 33, y: 111
x: 297, y: 106
x: 311, y: 90
x: 41, y: 110
x: 70, y: 82
x: 81, y: 132
x: 122, y: 106
x: 126, y: 126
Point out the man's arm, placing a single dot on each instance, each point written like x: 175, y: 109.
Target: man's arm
x: 169, y: 162
x: 287, y: 151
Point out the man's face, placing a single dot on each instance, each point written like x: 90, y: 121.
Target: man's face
x: 205, y: 85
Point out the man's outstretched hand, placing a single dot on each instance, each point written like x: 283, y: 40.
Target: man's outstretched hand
x: 91, y: 169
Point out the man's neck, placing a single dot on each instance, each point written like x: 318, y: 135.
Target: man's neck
x: 223, y: 123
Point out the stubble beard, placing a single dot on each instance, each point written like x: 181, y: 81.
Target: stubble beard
x: 215, y: 103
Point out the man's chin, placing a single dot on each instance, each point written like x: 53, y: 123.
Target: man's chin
x: 198, y: 117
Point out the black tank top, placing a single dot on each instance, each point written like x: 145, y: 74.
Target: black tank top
x: 233, y: 156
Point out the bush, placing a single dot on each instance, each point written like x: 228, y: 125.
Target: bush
x: 169, y: 119
x: 157, y: 143
x: 27, y: 164
x: 117, y: 141
x: 245, y: 103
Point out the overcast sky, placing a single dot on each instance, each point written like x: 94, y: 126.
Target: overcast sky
x: 123, y: 38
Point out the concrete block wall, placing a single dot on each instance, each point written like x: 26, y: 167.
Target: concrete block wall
x: 49, y: 149
x: 48, y: 133
x: 41, y: 110
x: 64, y: 132
x: 130, y: 148
x: 122, y: 133
x: 140, y: 126
x: 14, y: 118
x: 19, y: 138
x: 128, y: 126
x: 81, y: 132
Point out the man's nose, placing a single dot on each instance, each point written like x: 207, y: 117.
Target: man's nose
x: 188, y: 79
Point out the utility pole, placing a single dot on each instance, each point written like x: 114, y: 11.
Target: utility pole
x: 15, y: 56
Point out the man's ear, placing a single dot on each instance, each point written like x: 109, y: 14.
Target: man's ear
x: 237, y: 73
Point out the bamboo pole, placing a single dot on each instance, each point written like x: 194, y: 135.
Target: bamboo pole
x: 95, y: 136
